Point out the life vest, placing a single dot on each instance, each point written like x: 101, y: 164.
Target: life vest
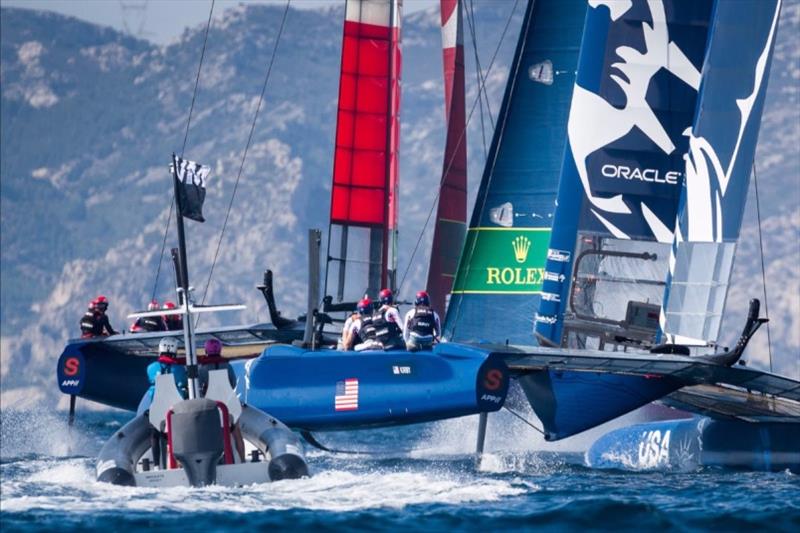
x: 423, y: 323
x: 367, y: 332
x: 387, y: 332
x: 149, y: 323
x: 88, y: 325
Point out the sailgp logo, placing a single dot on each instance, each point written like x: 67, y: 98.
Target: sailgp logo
x: 521, y: 246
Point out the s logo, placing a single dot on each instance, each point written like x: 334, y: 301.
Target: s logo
x: 493, y: 379
x: 72, y: 366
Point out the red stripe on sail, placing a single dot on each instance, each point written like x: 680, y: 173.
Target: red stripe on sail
x: 451, y: 214
x: 365, y: 159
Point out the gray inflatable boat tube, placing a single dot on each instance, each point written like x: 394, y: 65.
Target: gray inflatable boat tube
x: 117, y: 460
x: 116, y: 463
x: 276, y: 441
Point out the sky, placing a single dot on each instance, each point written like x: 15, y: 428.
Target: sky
x: 155, y: 20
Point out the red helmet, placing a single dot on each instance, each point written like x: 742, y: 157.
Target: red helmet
x: 169, y: 305
x: 364, y: 306
x: 101, y: 302
x: 153, y: 305
x: 422, y: 298
x: 386, y: 297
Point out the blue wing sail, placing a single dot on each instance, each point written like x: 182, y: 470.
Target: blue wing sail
x: 721, y: 149
x: 500, y: 274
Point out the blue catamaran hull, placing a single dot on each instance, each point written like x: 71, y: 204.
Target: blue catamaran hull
x: 330, y: 390
x: 697, y: 442
x: 312, y: 390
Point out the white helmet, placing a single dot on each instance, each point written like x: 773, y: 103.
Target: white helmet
x: 168, y: 345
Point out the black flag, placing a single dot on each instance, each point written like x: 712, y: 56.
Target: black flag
x: 191, y: 178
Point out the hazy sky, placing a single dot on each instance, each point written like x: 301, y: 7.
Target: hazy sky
x: 162, y: 20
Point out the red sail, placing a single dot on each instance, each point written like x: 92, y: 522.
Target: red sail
x: 365, y: 170
x: 451, y: 215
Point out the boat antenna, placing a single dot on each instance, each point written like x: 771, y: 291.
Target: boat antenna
x: 458, y: 143
x: 244, y: 154
x: 763, y: 268
x: 183, y: 148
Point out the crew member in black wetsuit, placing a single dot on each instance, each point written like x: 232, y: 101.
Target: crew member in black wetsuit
x: 149, y: 323
x: 422, y: 324
x: 388, y: 327
x: 94, y: 322
x: 172, y: 322
x: 363, y: 335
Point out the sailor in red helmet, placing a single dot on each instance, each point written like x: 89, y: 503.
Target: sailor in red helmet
x: 387, y: 322
x: 94, y: 322
x: 351, y: 326
x: 422, y: 325
x: 353, y: 333
x: 149, y: 323
x: 172, y: 322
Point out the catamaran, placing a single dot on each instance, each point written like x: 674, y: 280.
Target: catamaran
x: 616, y: 177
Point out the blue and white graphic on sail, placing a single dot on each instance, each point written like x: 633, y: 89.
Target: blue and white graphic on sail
x: 597, y: 121
x: 721, y: 151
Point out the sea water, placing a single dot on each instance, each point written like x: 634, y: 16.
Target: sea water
x: 422, y: 477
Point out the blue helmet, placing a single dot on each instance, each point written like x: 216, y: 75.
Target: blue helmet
x: 422, y: 299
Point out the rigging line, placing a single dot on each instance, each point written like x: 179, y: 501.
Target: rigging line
x: 523, y: 419
x: 460, y: 139
x: 482, y: 83
x: 183, y: 147
x: 500, y: 132
x: 244, y: 155
x: 763, y: 268
x: 478, y: 77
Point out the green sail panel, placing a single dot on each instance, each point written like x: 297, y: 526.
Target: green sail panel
x: 501, y: 269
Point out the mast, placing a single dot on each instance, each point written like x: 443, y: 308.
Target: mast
x: 451, y: 212
x: 363, y: 218
x: 183, y: 290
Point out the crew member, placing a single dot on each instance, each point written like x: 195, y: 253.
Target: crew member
x: 387, y: 323
x: 346, y: 341
x: 172, y: 322
x: 167, y: 363
x: 149, y: 323
x: 422, y: 325
x: 213, y: 360
x: 362, y: 334
x: 94, y: 322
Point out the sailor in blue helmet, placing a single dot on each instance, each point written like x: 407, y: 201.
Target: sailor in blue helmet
x: 422, y: 325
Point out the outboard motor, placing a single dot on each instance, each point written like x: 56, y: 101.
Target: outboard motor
x: 196, y: 434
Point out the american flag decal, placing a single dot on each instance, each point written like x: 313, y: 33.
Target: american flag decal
x: 346, y: 398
